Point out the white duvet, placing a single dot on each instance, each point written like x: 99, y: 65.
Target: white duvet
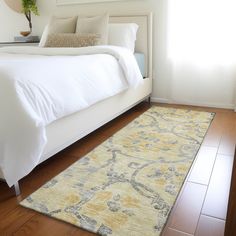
x: 40, y: 85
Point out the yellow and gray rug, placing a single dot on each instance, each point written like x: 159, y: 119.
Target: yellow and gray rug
x: 128, y: 184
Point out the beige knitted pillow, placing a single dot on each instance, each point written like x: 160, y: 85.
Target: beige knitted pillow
x: 58, y: 25
x: 94, y: 25
x: 71, y: 40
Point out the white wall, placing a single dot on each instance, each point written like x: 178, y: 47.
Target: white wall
x: 12, y: 23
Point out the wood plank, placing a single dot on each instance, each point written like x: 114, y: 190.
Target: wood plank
x: 227, y: 144
x: 203, y: 166
x: 230, y: 228
x: 185, y: 216
x: 9, y: 202
x: 228, y: 139
x: 14, y: 220
x: 48, y: 227
x: 216, y: 201
x: 214, y: 133
x: 209, y: 226
x: 172, y: 232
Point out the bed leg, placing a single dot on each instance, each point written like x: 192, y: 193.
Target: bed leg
x: 17, y: 189
x: 149, y: 100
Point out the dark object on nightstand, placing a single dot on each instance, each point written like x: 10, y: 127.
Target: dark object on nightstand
x: 230, y: 227
x: 9, y: 44
x: 28, y: 39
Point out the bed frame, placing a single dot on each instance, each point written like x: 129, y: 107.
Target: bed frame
x: 70, y: 129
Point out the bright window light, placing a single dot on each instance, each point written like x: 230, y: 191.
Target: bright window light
x: 202, y: 32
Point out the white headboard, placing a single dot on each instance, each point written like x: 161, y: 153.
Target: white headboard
x: 144, y: 36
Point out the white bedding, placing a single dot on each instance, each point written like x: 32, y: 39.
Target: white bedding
x: 40, y: 85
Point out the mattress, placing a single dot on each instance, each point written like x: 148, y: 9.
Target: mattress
x: 140, y: 58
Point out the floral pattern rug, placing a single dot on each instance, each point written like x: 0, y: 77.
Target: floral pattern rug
x: 128, y: 184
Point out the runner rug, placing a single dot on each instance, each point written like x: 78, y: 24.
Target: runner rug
x: 128, y: 185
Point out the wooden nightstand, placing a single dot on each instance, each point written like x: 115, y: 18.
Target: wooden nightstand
x: 8, y: 44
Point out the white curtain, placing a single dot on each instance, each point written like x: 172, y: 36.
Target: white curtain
x: 202, y: 51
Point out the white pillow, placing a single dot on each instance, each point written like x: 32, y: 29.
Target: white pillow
x: 123, y: 35
x: 44, y: 37
x: 58, y: 25
x: 94, y: 25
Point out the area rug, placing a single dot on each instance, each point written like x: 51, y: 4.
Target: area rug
x: 127, y: 185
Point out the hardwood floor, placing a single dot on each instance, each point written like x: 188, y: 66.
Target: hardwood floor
x: 199, y: 210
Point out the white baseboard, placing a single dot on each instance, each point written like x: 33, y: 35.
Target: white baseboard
x: 160, y: 100
x: 190, y: 103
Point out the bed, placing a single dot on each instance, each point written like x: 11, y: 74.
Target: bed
x: 68, y: 129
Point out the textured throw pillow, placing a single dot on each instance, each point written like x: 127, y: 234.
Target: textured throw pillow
x: 71, y: 40
x: 94, y: 25
x: 58, y: 25
x: 123, y: 35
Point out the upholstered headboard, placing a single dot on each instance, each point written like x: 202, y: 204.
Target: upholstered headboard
x: 144, y: 36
